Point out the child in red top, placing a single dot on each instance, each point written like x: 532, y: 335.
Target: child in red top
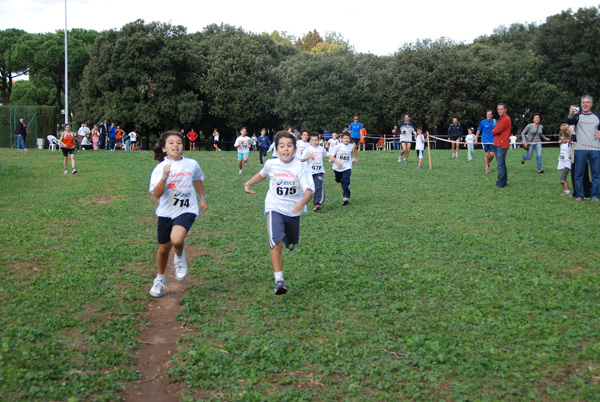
x: 67, y: 144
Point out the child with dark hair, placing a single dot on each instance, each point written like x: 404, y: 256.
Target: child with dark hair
x: 314, y: 155
x: 290, y: 188
x: 341, y: 156
x: 173, y: 182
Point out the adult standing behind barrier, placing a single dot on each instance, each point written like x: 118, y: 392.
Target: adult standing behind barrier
x: 501, y: 134
x: 532, y: 135
x: 455, y: 133
x: 21, y: 132
x: 487, y: 138
x: 587, y: 146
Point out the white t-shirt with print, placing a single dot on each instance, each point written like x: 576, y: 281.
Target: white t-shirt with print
x: 244, y: 144
x: 287, y: 185
x: 301, y: 148
x: 179, y: 196
x: 342, y: 153
x: 315, y: 163
x: 470, y: 139
x: 419, y: 142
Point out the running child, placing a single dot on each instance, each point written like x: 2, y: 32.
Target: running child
x: 242, y: 143
x: 420, y: 146
x: 333, y: 141
x: 470, y: 143
x: 67, y: 144
x: 314, y: 155
x: 564, y: 158
x: 290, y: 188
x: 302, y: 143
x: 341, y: 156
x: 173, y: 182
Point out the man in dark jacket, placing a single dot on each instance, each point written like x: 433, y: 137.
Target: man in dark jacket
x: 21, y: 132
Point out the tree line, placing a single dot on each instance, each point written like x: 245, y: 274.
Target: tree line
x: 156, y: 76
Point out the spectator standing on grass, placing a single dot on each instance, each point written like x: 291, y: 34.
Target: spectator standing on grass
x: 21, y: 132
x: 80, y: 135
x: 119, y: 138
x: 455, y: 133
x: 363, y: 138
x: 564, y: 157
x: 95, y: 137
x: 420, y: 146
x: 501, y: 133
x: 192, y: 136
x: 487, y: 138
x: 174, y: 182
x: 67, y: 145
x: 112, y: 136
x: 102, y: 132
x: 290, y: 189
x: 532, y: 136
x: 396, y: 137
x: 470, y: 143
x: 263, y: 145
x: 326, y: 135
x: 513, y: 141
x: 586, y: 146
x: 133, y: 136
x: 406, y: 130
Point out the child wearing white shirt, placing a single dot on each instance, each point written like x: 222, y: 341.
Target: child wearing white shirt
x: 341, y: 156
x: 290, y: 188
x: 470, y: 143
x: 174, y: 183
x: 314, y: 155
x: 420, y: 146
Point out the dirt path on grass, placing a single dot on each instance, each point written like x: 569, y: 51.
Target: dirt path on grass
x: 157, y: 340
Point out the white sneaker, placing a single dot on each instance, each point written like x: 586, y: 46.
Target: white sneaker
x: 66, y: 172
x: 157, y: 288
x: 404, y: 160
x: 566, y: 192
x: 241, y: 171
x: 400, y: 159
x: 181, y: 268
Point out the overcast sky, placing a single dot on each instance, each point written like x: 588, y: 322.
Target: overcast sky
x: 375, y: 26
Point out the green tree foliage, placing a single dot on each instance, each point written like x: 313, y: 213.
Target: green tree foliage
x: 567, y: 45
x: 44, y: 54
x: 11, y: 66
x: 321, y: 91
x: 240, y: 84
x: 144, y: 76
x: 33, y: 90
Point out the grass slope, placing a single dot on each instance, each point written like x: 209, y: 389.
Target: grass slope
x: 430, y: 285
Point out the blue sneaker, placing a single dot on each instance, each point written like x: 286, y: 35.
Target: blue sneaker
x: 280, y: 288
x: 157, y: 288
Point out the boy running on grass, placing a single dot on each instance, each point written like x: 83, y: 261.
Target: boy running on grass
x: 302, y: 144
x: 290, y: 188
x: 341, y: 156
x: 314, y: 155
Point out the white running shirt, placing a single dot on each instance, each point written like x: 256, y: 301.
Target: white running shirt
x: 287, y: 185
x: 180, y: 195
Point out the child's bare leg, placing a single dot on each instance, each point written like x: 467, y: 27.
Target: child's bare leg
x: 277, y: 257
x: 565, y: 185
x: 178, y: 234
x: 65, y: 162
x: 72, y: 161
x: 162, y: 256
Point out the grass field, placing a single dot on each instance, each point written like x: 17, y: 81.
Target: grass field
x: 430, y: 285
